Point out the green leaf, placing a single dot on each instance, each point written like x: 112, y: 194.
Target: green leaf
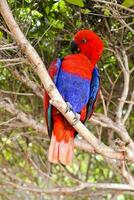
x: 106, y: 12
x: 128, y: 3
x: 47, y: 9
x: 76, y: 2
x: 121, y: 197
x: 1, y: 35
x: 28, y: 1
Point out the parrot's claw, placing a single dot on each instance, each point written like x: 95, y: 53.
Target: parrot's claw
x: 76, y: 119
x: 76, y: 115
x: 69, y: 107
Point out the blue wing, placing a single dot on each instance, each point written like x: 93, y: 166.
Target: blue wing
x: 53, y: 70
x: 58, y: 67
x: 94, y: 90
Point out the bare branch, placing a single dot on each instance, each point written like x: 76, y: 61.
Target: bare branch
x: 118, y: 128
x: 22, y: 60
x: 8, y: 48
x: 27, y: 120
x: 29, y: 83
x: 115, y: 4
x: 125, y: 91
x: 126, y: 174
x: 16, y: 93
x: 126, y: 25
x: 103, y: 102
x: 76, y: 189
x: 131, y: 103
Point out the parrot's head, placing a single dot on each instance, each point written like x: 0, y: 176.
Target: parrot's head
x: 88, y: 43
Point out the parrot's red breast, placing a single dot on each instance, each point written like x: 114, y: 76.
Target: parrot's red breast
x: 81, y: 67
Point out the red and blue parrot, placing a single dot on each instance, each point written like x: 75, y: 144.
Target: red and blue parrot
x: 77, y: 79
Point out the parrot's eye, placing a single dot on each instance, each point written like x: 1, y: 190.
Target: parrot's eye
x: 84, y: 40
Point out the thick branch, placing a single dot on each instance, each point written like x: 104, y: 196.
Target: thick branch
x: 76, y: 189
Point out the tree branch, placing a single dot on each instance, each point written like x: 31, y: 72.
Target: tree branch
x: 29, y: 83
x: 126, y: 75
x: 105, y: 121
x: 115, y: 5
x: 76, y: 189
x: 27, y: 120
x: 129, y: 108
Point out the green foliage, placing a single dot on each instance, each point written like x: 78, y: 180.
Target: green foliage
x: 128, y: 3
x: 1, y: 35
x: 76, y: 2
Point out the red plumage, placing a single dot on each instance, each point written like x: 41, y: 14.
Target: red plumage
x: 80, y: 67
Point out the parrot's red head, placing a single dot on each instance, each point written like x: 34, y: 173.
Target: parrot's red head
x: 88, y: 43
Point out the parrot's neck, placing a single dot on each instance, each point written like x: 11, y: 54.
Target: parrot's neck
x: 93, y: 60
x: 93, y: 52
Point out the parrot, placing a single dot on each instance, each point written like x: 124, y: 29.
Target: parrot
x: 77, y: 79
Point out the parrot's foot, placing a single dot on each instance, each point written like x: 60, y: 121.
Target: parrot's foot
x: 69, y: 107
x: 76, y: 119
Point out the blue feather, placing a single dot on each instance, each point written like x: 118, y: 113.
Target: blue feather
x: 58, y: 66
x: 49, y: 111
x: 73, y: 89
x: 94, y: 89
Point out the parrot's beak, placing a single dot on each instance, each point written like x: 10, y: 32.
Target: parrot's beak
x: 74, y: 47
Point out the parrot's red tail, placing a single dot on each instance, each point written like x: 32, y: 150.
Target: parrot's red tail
x: 61, y: 148
x: 61, y: 151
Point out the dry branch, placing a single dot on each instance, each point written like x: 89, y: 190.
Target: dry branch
x: 131, y: 103
x: 72, y: 190
x: 105, y: 121
x: 26, y: 80
x: 126, y: 75
x: 9, y: 60
x: 7, y: 104
x: 115, y: 5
